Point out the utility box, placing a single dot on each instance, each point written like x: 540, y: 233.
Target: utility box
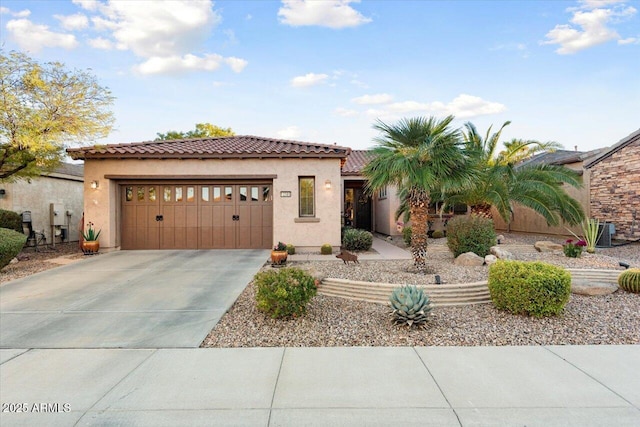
x: 605, y: 232
x: 56, y: 212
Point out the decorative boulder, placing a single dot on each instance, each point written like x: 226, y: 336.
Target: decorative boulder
x: 469, y: 259
x: 490, y: 259
x: 501, y: 253
x: 584, y: 287
x: 500, y: 238
x: 547, y: 246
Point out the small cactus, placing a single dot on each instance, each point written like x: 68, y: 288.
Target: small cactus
x: 326, y: 249
x: 629, y: 280
x: 411, y: 306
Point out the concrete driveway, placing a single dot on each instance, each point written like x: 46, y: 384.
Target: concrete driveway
x: 126, y: 299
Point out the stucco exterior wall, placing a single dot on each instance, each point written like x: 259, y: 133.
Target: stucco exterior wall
x: 526, y: 220
x: 102, y: 205
x: 615, y: 191
x: 385, y: 211
x: 36, y: 196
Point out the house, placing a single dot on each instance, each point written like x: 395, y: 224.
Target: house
x: 231, y: 192
x: 55, y: 201
x: 614, y: 189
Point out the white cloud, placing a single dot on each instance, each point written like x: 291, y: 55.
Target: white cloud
x: 309, y: 79
x: 22, y: 14
x: 33, y: 37
x: 379, y: 98
x: 90, y: 5
x: 77, y: 21
x: 290, y: 132
x: 326, y: 13
x: 359, y: 84
x: 629, y: 40
x: 590, y: 26
x: 101, y: 43
x: 345, y: 112
x: 101, y: 24
x: 462, y: 106
x: 4, y: 10
x: 189, y: 62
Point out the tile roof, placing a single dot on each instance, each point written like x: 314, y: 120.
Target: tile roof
x: 629, y: 139
x: 557, y: 157
x: 69, y: 169
x: 240, y: 146
x: 356, y: 161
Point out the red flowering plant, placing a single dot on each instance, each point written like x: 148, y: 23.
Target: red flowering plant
x: 573, y: 249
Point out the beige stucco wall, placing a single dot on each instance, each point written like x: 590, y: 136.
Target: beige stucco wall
x: 615, y: 191
x: 38, y: 194
x: 526, y: 220
x: 385, y: 212
x: 102, y: 205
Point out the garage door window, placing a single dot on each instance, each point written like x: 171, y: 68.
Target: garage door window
x: 216, y: 194
x: 205, y: 194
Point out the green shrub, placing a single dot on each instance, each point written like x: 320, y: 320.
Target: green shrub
x: 629, y: 280
x: 533, y: 288
x: 284, y: 293
x: 326, y: 249
x: 357, y: 240
x: 11, y: 220
x: 11, y: 243
x: 291, y: 250
x: 470, y: 233
x: 438, y: 234
x: 406, y: 235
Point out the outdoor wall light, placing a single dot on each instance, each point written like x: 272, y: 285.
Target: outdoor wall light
x: 327, y: 184
x: 95, y: 184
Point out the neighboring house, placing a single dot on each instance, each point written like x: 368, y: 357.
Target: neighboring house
x: 233, y: 192
x: 526, y: 220
x: 615, y: 186
x: 60, y: 191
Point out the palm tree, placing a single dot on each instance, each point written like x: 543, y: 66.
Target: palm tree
x: 500, y: 182
x: 419, y: 155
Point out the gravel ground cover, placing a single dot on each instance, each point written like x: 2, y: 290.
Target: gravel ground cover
x: 31, y: 262
x: 330, y: 321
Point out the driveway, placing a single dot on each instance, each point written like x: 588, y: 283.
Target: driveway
x: 126, y: 299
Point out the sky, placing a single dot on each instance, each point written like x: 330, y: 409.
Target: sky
x: 326, y: 71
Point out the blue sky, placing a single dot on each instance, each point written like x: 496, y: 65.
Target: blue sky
x: 324, y: 71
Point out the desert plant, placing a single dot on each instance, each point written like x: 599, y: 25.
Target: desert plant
x: 406, y: 235
x: 11, y: 243
x: 326, y: 249
x: 470, y: 233
x: 284, y: 293
x: 411, y: 306
x: 291, y: 250
x: 280, y: 247
x: 629, y: 280
x: 11, y: 220
x: 533, y: 288
x: 573, y: 249
x: 438, y: 234
x: 90, y: 234
x: 590, y: 229
x: 357, y: 240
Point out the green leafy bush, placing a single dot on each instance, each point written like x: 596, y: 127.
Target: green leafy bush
x: 438, y: 234
x: 284, y: 293
x: 11, y: 220
x: 533, y: 288
x: 326, y: 249
x: 11, y: 243
x: 357, y: 240
x: 291, y: 250
x: 406, y: 235
x: 470, y: 233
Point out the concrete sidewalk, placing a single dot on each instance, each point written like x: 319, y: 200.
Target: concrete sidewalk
x: 437, y: 386
x: 384, y: 250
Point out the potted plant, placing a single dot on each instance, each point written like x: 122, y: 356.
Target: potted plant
x: 279, y: 254
x: 90, y: 243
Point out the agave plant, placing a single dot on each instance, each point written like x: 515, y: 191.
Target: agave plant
x: 411, y: 306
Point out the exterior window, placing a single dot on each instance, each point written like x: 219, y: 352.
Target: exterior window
x: 152, y: 194
x: 167, y: 194
x: 243, y: 194
x: 228, y: 193
x: 141, y: 194
x: 205, y: 194
x: 178, y: 194
x: 129, y: 194
x: 254, y: 194
x: 307, y: 196
x: 266, y: 194
x: 191, y: 194
x: 382, y: 193
x: 216, y: 194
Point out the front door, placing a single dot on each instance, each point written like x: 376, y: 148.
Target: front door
x: 357, y: 205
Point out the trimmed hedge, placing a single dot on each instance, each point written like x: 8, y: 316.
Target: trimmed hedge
x: 357, y: 240
x: 532, y: 288
x: 470, y: 233
x: 11, y: 220
x: 284, y: 293
x: 11, y: 243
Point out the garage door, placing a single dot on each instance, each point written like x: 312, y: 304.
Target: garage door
x: 214, y: 215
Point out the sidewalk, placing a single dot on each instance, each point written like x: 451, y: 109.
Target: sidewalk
x: 437, y: 386
x: 384, y: 251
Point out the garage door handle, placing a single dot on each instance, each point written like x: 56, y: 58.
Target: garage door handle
x: 159, y: 218
x: 236, y: 217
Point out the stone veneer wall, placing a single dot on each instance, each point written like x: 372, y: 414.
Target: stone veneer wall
x: 615, y: 191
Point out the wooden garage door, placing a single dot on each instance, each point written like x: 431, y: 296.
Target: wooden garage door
x: 212, y: 215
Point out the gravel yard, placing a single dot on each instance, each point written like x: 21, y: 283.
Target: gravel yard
x: 31, y: 262
x: 330, y: 321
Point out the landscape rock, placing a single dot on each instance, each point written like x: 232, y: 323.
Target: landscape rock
x: 547, y: 246
x: 490, y: 259
x: 501, y: 253
x: 469, y: 259
x: 590, y: 288
x: 500, y: 238
x: 13, y: 261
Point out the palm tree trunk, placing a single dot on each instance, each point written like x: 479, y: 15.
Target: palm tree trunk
x: 482, y: 210
x: 419, y: 207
